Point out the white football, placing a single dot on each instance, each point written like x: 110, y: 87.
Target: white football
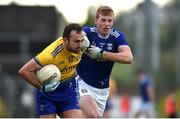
x: 48, y: 74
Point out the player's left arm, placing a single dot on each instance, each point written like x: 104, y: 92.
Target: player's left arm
x: 124, y: 55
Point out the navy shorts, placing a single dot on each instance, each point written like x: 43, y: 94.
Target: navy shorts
x: 108, y: 104
x: 62, y: 99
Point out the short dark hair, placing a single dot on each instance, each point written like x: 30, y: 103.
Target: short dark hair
x: 72, y: 26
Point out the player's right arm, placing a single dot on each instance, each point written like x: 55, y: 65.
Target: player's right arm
x: 124, y: 55
x: 150, y: 91
x: 28, y: 72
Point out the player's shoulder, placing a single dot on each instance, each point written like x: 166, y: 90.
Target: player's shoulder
x: 90, y: 29
x: 59, y: 41
x: 117, y: 34
x: 56, y: 47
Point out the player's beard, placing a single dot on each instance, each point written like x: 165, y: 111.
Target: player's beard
x: 105, y: 32
x: 75, y: 50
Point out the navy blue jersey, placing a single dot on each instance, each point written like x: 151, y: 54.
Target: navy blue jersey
x: 93, y: 72
x: 144, y: 83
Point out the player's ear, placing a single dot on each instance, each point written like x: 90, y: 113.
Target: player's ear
x: 65, y: 40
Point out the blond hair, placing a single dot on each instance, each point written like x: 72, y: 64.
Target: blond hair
x: 104, y: 10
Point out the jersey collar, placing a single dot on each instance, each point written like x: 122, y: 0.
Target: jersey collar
x: 100, y: 36
x: 72, y: 53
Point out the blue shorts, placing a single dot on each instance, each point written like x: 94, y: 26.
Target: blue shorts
x: 62, y: 99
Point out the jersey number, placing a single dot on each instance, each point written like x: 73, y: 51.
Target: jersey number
x: 70, y: 58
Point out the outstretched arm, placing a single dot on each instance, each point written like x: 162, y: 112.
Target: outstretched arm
x: 124, y: 55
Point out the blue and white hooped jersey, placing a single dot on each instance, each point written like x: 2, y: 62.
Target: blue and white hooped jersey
x: 93, y: 72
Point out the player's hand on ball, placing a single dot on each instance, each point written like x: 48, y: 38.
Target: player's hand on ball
x: 95, y: 52
x: 85, y: 44
x: 49, y: 76
x: 50, y: 87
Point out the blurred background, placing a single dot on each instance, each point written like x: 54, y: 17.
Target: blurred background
x: 152, y: 28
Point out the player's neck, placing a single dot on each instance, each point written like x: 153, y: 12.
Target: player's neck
x: 103, y: 37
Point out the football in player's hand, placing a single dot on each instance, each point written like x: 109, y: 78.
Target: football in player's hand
x: 48, y: 74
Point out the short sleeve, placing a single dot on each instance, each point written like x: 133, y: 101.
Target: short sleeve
x: 121, y: 40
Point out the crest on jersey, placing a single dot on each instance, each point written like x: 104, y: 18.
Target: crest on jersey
x: 84, y: 90
x: 109, y: 46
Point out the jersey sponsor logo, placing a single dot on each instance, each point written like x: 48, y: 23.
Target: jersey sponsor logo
x: 67, y: 69
x: 102, y: 44
x: 57, y: 50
